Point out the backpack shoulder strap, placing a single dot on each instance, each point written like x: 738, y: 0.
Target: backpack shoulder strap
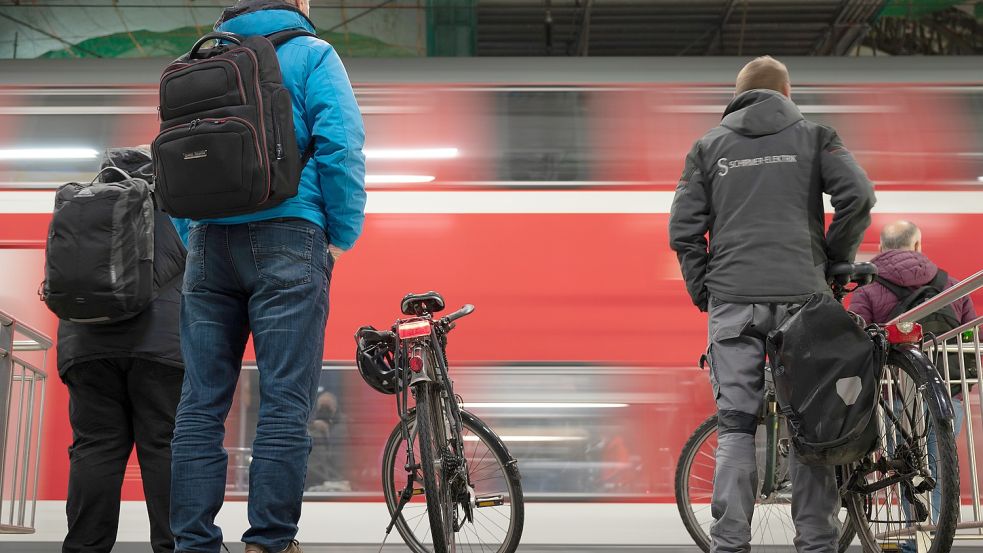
x: 899, y: 292
x: 283, y: 36
x: 278, y: 39
x: 941, y: 281
x: 308, y: 154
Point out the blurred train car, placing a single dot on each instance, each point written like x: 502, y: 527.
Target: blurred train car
x: 538, y: 191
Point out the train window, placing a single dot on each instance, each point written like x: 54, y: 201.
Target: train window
x: 87, y: 120
x: 578, y: 431
x: 543, y: 135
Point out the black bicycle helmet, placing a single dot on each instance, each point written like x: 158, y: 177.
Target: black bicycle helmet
x: 374, y: 358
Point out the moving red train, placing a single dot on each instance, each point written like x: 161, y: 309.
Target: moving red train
x: 538, y: 191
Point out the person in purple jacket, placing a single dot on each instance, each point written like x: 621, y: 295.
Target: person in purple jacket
x: 902, y: 262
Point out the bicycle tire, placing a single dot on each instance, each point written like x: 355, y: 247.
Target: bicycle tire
x: 429, y: 422
x: 477, y: 427
x: 948, y: 466
x: 686, y: 512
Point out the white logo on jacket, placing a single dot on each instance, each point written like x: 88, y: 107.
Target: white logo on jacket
x: 726, y: 165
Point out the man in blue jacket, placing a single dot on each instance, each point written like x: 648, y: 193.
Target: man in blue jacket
x: 267, y: 273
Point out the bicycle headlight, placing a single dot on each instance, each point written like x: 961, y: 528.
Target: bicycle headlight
x: 904, y: 333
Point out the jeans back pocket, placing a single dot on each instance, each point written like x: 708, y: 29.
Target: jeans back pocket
x: 282, y: 252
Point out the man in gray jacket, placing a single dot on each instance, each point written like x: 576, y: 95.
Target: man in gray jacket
x: 755, y: 183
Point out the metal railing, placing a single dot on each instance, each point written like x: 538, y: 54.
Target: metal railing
x: 22, y: 387
x: 964, y: 343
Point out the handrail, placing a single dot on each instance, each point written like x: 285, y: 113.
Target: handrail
x: 40, y: 339
x: 960, y: 329
x: 949, y: 296
x: 22, y: 399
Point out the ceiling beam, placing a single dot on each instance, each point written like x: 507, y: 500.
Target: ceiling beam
x: 728, y: 9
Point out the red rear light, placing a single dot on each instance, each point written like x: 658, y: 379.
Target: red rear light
x: 904, y: 333
x: 414, y: 329
x: 416, y: 363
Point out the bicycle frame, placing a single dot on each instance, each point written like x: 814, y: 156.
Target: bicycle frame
x: 434, y: 373
x: 771, y: 420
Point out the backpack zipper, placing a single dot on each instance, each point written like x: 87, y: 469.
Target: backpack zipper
x: 276, y: 138
x: 193, y: 124
x: 262, y: 126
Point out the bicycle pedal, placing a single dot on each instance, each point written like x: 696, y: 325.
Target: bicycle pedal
x: 891, y: 547
x: 489, y: 501
x: 418, y: 491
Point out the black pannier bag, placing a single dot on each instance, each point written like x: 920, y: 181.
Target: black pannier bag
x: 827, y: 373
x: 227, y: 144
x: 99, y: 259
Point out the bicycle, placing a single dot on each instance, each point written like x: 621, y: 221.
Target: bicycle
x: 907, y: 486
x: 471, y: 487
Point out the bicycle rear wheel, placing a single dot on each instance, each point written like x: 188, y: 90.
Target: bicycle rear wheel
x: 495, y: 527
x: 912, y: 440
x: 432, y: 437
x: 772, y: 529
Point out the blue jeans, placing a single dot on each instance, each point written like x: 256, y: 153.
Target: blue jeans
x: 270, y: 278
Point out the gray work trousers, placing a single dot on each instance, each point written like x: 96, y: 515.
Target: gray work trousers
x: 737, y: 335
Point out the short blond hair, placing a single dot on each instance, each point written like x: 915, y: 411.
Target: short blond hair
x: 765, y: 72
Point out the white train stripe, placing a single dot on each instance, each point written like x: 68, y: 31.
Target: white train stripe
x: 559, y: 202
x: 343, y: 522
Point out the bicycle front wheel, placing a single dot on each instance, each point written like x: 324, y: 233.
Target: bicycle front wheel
x: 908, y: 488
x: 772, y: 528
x: 497, y: 506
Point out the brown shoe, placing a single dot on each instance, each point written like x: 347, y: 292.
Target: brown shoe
x: 294, y: 547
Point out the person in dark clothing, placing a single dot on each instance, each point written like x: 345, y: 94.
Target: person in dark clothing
x: 755, y: 183
x: 124, y: 382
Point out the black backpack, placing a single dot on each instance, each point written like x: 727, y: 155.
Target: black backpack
x: 827, y: 374
x: 937, y: 323
x: 227, y: 144
x: 99, y: 259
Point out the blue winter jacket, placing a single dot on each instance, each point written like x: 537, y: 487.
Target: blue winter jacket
x: 332, y: 185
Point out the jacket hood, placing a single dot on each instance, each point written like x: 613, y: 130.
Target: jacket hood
x: 262, y: 17
x: 760, y: 112
x: 905, y: 268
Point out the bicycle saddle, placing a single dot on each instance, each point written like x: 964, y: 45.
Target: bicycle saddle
x: 421, y: 304
x: 843, y: 272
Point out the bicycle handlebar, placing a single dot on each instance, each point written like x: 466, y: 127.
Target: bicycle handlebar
x: 462, y: 312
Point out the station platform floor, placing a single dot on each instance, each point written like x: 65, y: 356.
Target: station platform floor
x: 352, y: 527
x: 132, y: 547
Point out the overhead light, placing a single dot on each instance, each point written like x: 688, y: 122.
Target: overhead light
x: 398, y: 179
x: 980, y: 178
x: 410, y: 153
x: 48, y: 154
x: 532, y: 438
x: 521, y: 405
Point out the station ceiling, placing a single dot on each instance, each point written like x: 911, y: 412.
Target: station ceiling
x: 668, y: 28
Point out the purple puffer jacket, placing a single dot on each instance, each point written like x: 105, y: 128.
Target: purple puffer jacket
x: 906, y: 268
